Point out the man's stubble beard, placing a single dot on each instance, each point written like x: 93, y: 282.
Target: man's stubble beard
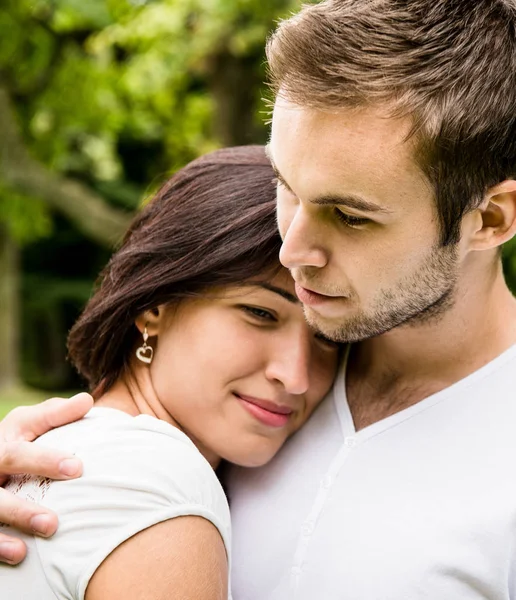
x: 423, y: 297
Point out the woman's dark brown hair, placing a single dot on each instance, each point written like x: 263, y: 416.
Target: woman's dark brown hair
x: 212, y: 224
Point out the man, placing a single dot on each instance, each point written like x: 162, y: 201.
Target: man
x: 394, y: 142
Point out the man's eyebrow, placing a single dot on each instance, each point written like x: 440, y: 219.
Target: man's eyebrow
x: 349, y: 200
x: 279, y: 177
x: 277, y: 174
x: 276, y: 290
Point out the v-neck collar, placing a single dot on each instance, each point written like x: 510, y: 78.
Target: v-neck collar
x: 344, y: 412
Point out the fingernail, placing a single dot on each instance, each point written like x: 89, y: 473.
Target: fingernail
x: 69, y: 467
x: 40, y: 524
x: 7, y: 550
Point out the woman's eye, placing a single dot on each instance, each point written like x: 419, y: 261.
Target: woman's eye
x: 259, y: 313
x: 349, y: 220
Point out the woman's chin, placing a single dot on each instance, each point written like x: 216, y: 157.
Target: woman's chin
x: 255, y: 458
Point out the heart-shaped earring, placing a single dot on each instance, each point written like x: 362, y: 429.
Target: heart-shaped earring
x: 145, y: 352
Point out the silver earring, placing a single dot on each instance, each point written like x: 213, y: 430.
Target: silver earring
x: 145, y: 352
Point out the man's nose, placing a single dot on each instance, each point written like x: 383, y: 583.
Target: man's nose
x: 301, y: 234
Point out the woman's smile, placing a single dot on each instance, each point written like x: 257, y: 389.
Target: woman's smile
x: 267, y: 412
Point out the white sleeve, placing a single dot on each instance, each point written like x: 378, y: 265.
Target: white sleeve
x: 133, y: 478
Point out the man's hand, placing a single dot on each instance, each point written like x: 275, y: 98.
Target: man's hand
x: 18, y: 455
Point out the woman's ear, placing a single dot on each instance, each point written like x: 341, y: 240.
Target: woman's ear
x: 496, y: 217
x: 151, y: 319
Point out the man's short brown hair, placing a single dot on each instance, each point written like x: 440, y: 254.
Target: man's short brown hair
x: 448, y: 64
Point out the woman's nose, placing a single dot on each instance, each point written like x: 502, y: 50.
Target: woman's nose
x: 291, y: 367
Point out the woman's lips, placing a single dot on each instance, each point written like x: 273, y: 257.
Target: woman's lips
x: 267, y: 412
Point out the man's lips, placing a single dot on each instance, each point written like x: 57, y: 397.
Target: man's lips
x: 267, y: 412
x: 311, y: 298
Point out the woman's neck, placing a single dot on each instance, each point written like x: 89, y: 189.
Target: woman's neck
x: 134, y: 394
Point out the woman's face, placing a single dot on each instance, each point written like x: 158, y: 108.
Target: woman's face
x: 239, y: 370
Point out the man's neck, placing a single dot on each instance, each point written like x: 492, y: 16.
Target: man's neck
x: 402, y: 367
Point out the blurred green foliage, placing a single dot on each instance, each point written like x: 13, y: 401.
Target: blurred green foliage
x: 115, y: 94
x: 91, y: 77
x: 27, y: 219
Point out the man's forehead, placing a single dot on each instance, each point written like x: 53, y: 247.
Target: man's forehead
x: 360, y: 131
x: 360, y: 153
x: 342, y: 123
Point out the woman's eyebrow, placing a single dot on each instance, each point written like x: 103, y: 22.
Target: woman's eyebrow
x: 276, y: 290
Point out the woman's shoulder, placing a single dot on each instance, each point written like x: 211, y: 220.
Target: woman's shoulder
x: 102, y: 424
x: 138, y: 471
x: 114, y: 433
x: 137, y: 457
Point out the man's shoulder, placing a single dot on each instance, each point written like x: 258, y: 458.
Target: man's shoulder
x: 497, y: 378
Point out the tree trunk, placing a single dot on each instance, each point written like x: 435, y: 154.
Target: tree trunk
x: 89, y: 212
x: 9, y: 310
x: 233, y: 81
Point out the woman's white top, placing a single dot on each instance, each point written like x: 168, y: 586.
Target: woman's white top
x: 138, y: 471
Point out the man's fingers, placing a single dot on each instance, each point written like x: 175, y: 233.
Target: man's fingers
x: 33, y: 459
x: 12, y: 550
x: 29, y: 422
x: 26, y: 516
x: 19, y: 455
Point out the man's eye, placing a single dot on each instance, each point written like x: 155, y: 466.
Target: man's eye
x: 259, y: 313
x: 349, y: 220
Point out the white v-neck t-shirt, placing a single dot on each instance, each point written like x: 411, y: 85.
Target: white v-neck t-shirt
x: 418, y: 506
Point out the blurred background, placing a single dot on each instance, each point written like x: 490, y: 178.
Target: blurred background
x: 100, y: 100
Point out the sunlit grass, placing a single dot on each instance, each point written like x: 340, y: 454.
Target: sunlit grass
x: 20, y: 396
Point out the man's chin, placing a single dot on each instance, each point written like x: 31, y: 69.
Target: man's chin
x: 330, y: 327
x: 343, y: 330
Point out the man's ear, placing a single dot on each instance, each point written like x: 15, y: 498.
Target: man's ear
x: 495, y: 219
x: 151, y: 319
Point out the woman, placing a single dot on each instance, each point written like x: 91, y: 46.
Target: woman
x: 196, y: 349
